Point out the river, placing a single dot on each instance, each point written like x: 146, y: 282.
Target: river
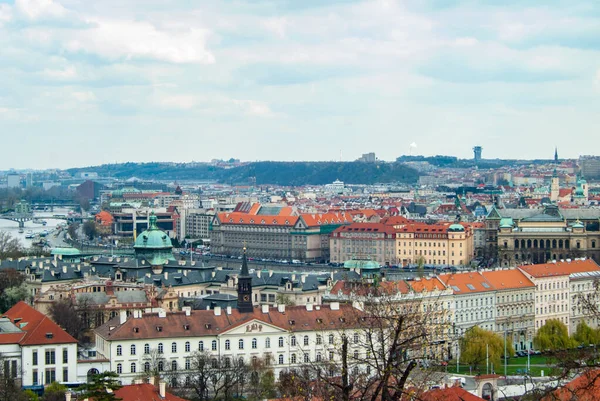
x: 12, y: 227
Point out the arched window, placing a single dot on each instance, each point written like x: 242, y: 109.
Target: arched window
x: 161, y: 366
x: 293, y: 341
x: 188, y: 364
x: 319, y: 339
x: 281, y: 341
x: 535, y: 243
x: 147, y: 367
x: 516, y: 244
x: 267, y: 342
x: 174, y: 365
x: 174, y: 382
x: 133, y: 367
x: 227, y: 344
x: 319, y: 357
x: 331, y: 339
x: 281, y: 359
x: 119, y: 350
x: 560, y: 243
x: 227, y: 362
x: 132, y: 349
x: 293, y: 358
x: 213, y: 345
x: 187, y: 346
x: 174, y: 347
x: 119, y: 368
x: 160, y: 348
x: 146, y: 349
x: 306, y: 358
x: 356, y: 338
x: 254, y: 343
x: 241, y: 344
x: 188, y: 381
x: 200, y: 345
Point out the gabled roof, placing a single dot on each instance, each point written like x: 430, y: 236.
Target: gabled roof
x: 585, y: 387
x: 466, y: 283
x: 38, y: 328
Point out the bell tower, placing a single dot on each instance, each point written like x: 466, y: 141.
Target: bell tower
x: 244, y: 289
x: 554, y: 187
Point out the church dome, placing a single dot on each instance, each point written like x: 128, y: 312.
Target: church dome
x: 153, y: 237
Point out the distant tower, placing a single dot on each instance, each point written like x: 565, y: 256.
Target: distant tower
x: 555, y: 154
x: 554, y: 187
x: 477, y: 153
x: 244, y: 303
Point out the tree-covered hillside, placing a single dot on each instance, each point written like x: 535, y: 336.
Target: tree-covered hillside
x: 278, y: 173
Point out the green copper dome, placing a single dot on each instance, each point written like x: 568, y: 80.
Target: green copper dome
x: 456, y: 227
x: 363, y: 264
x: 578, y: 224
x: 153, y: 237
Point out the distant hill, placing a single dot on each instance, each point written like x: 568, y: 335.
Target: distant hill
x: 277, y: 173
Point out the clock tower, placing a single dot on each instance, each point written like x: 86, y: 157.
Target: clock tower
x: 244, y: 302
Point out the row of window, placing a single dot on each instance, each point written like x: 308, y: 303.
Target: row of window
x: 48, y: 377
x: 50, y: 357
x: 253, y: 344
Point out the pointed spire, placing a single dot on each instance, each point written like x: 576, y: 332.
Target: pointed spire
x: 556, y: 153
x: 244, y: 265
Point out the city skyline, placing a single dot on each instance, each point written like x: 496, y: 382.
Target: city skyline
x: 93, y: 83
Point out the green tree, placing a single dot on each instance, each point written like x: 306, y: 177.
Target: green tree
x: 72, y: 230
x: 89, y: 229
x: 585, y: 335
x: 29, y: 395
x: 479, y: 346
x: 553, y: 335
x: 98, y: 385
x: 55, y: 392
x: 12, y: 295
x: 420, y: 266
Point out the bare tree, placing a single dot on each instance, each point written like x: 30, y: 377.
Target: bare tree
x: 375, y: 352
x: 9, y: 246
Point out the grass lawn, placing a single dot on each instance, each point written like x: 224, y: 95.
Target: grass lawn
x: 515, y: 366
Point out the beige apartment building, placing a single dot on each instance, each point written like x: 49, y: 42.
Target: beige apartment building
x: 515, y: 306
x: 375, y: 241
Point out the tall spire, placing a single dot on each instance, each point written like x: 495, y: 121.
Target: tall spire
x: 245, y: 264
x: 556, y: 154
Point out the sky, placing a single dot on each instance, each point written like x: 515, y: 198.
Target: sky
x: 94, y: 82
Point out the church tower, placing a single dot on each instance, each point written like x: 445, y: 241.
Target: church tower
x: 556, y: 154
x: 244, y: 303
x: 554, y: 187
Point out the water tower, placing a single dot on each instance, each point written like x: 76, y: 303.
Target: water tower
x: 477, y: 153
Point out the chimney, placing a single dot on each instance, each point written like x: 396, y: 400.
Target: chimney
x: 166, y: 275
x: 64, y: 269
x: 122, y: 317
x: 258, y: 273
x: 334, y: 306
x: 265, y: 308
x: 303, y: 278
x: 162, y: 386
x: 270, y: 273
x: 229, y: 310
x: 281, y: 308
x: 309, y: 307
x: 187, y: 310
x: 68, y: 396
x: 217, y: 311
x: 151, y: 380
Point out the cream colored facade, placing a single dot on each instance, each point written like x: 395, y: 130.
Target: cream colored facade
x: 373, y: 241
x: 584, y: 299
x: 435, y: 244
x: 551, y: 298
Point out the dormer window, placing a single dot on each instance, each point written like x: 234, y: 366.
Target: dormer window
x: 159, y: 328
x: 49, y: 335
x: 136, y: 329
x: 292, y: 322
x: 208, y: 326
x: 186, y: 326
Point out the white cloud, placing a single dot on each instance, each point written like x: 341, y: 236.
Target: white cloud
x: 183, y: 102
x: 40, y: 9
x: 276, y: 26
x: 84, y: 97
x: 468, y: 41
x: 5, y: 13
x: 121, y: 39
x: 253, y: 107
x: 66, y: 73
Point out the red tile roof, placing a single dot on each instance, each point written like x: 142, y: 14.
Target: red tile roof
x: 144, y: 392
x: 366, y: 228
x: 560, y: 268
x: 467, y: 282
x: 508, y: 279
x: 427, y: 284
x: 38, y: 328
x: 449, y: 394
x: 206, y: 323
x: 586, y: 387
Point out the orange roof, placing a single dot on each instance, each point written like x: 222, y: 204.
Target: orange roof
x: 144, y: 392
x: 366, y: 228
x: 246, y: 218
x: 394, y: 220
x: 105, y: 218
x: 467, y: 282
x: 508, y: 279
x: 38, y: 328
x: 318, y: 219
x: 564, y: 192
x: 427, y: 284
x: 449, y: 394
x: 560, y: 268
x: 586, y: 387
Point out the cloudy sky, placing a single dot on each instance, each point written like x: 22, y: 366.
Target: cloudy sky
x: 88, y: 82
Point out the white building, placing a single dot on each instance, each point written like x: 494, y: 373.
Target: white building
x: 35, y: 349
x: 283, y: 337
x: 13, y: 181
